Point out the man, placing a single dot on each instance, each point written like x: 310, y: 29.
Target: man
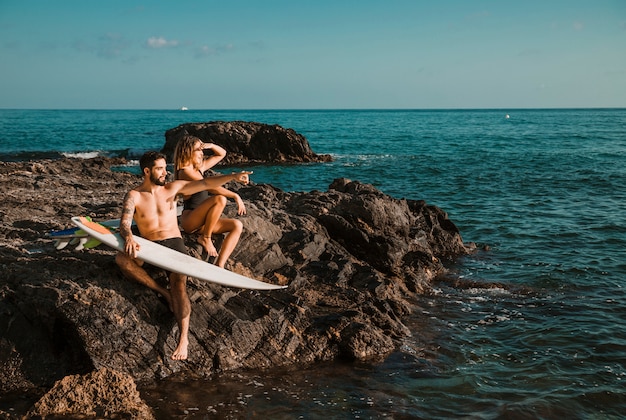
x: 153, y: 207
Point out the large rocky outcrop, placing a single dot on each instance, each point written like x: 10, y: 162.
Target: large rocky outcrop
x: 247, y: 142
x: 353, y: 259
x: 103, y: 393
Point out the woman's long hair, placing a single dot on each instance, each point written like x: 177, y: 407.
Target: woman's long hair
x: 183, y: 154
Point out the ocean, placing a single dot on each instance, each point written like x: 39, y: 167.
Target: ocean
x: 539, y: 328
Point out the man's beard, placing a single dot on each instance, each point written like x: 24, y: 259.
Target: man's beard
x: 157, y: 181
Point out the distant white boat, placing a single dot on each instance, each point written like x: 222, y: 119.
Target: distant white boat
x: 507, y: 116
x: 184, y: 108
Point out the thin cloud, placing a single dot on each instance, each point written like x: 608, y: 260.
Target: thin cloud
x: 206, y: 51
x: 112, y: 45
x: 478, y: 15
x: 578, y: 26
x: 160, y: 42
x: 259, y: 45
x: 108, y: 46
x: 226, y: 48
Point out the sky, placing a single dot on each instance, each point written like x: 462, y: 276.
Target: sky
x: 322, y: 54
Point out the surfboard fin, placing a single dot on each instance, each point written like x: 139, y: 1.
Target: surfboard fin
x: 81, y: 243
x: 76, y: 237
x: 61, y: 243
x: 91, y: 243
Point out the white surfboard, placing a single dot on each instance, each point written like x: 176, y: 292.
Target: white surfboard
x: 171, y: 260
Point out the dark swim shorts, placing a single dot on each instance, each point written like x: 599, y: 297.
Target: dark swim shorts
x: 177, y: 244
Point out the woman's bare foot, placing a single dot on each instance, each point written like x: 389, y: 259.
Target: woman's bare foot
x: 181, y: 351
x: 206, y: 242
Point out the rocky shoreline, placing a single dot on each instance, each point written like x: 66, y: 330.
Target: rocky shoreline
x: 353, y: 259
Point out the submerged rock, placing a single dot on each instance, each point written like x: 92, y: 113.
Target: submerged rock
x: 353, y: 258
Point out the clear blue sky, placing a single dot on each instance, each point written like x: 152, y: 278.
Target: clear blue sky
x: 297, y: 54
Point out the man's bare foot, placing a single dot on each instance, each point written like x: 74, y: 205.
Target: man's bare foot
x: 206, y: 242
x: 181, y: 351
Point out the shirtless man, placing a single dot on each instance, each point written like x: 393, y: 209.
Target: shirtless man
x: 153, y: 207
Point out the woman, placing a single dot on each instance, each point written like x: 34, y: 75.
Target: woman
x: 202, y: 211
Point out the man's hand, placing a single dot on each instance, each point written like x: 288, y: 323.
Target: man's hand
x: 243, y: 177
x: 131, y: 247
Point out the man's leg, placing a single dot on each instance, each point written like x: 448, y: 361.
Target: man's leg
x: 133, y: 270
x: 182, y: 312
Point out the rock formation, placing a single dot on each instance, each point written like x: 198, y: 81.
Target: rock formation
x: 247, y: 142
x: 103, y: 393
x: 353, y: 258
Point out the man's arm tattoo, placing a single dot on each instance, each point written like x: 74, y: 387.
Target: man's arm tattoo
x: 128, y: 209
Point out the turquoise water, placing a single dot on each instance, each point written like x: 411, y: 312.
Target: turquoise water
x: 544, y: 189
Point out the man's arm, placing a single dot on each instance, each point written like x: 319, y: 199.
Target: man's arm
x: 212, y: 182
x: 126, y: 222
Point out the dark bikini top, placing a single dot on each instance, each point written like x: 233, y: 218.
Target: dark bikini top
x: 195, y: 200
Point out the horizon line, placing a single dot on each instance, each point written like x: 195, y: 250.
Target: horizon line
x: 314, y: 109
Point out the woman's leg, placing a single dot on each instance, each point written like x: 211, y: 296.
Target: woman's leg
x: 205, y: 217
x: 233, y: 229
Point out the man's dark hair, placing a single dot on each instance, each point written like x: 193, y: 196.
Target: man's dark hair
x: 148, y: 159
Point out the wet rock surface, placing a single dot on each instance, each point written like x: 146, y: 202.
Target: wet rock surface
x: 353, y: 259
